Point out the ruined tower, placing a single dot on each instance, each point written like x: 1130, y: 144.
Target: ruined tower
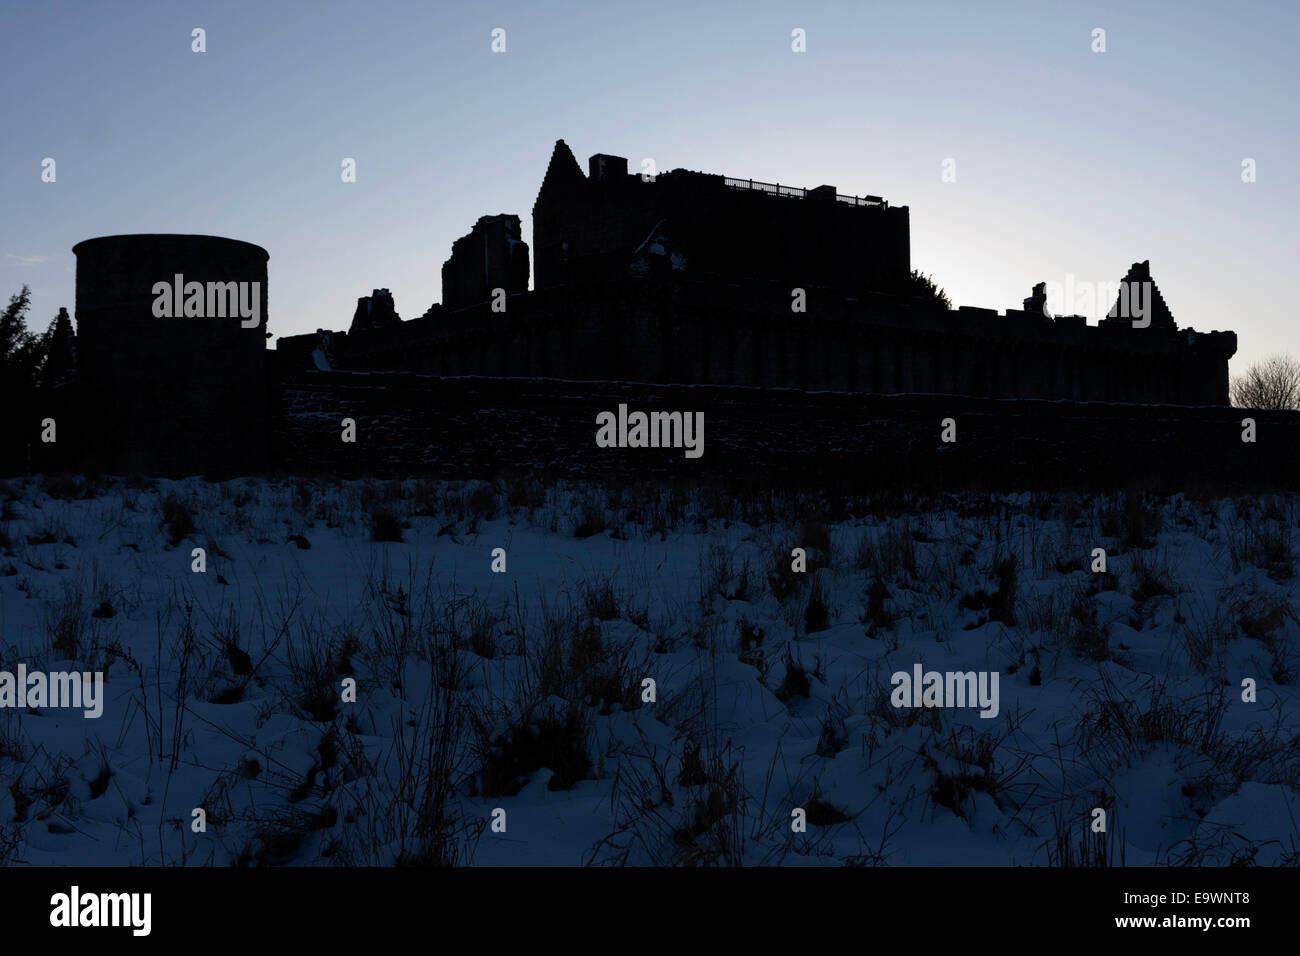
x: 492, y: 256
x: 177, y: 395
x: 375, y: 311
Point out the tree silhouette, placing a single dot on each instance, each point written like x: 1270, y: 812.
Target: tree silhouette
x: 1272, y: 383
x: 22, y: 353
x: 918, y: 284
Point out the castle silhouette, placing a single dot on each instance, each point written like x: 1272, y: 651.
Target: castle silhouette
x: 681, y: 279
x: 687, y: 278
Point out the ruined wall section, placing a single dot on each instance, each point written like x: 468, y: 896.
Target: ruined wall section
x: 492, y: 256
x: 634, y: 318
x: 410, y: 424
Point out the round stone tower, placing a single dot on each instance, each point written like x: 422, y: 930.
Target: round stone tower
x: 172, y: 363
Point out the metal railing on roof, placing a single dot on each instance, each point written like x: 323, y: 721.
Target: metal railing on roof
x: 796, y: 192
x: 861, y: 200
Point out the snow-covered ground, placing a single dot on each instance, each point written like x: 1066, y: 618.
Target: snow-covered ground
x: 525, y: 691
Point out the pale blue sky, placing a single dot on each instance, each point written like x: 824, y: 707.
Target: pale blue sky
x: 1068, y: 162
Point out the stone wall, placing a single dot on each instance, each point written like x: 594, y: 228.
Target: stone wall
x: 409, y: 424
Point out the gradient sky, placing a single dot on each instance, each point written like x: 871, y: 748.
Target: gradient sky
x: 1068, y: 162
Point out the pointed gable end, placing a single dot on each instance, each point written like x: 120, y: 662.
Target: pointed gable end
x: 1140, y: 301
x: 562, y: 174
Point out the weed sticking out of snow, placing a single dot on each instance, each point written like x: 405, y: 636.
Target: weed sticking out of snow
x: 528, y: 672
